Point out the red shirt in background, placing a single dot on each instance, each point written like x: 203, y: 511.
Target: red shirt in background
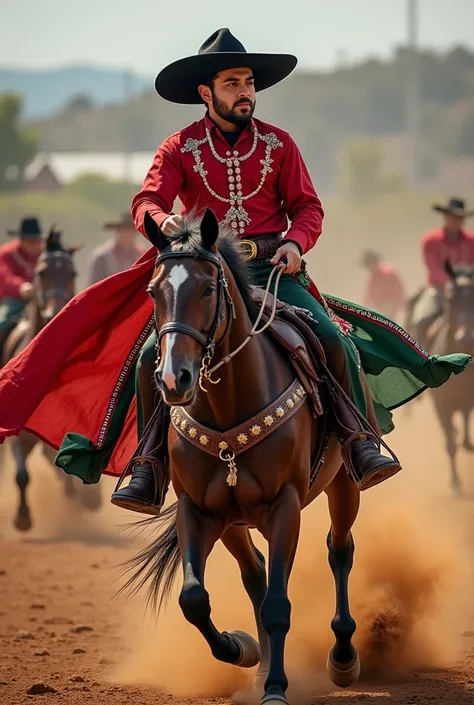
x: 16, y: 268
x: 384, y: 291
x: 436, y: 249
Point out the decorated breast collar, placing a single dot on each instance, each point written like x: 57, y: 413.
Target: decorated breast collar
x: 237, y: 216
x: 227, y: 445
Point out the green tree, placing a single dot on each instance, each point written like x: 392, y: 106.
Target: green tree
x: 19, y: 144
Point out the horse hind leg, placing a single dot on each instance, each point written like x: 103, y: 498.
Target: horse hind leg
x: 197, y: 536
x: 251, y: 562
x: 22, y: 445
x: 343, y: 663
x: 467, y: 444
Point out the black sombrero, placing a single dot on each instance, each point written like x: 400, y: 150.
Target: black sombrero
x: 178, y: 82
x: 29, y: 229
x: 456, y: 206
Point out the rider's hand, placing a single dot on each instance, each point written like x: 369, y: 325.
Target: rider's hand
x: 291, y: 251
x: 26, y: 291
x: 172, y: 224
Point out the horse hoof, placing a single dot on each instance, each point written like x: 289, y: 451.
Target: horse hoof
x: 274, y: 700
x: 250, y: 653
x: 343, y: 674
x: 23, y: 523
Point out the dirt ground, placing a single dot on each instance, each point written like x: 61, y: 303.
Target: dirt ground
x: 411, y: 593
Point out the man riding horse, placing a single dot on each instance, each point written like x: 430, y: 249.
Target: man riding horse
x: 81, y: 399
x: 450, y: 243
x: 17, y: 266
x: 252, y: 175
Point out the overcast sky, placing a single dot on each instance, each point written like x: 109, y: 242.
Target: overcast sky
x: 144, y: 35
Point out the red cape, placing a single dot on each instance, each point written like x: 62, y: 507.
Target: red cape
x: 65, y: 378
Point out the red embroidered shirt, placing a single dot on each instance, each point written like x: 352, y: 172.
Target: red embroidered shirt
x: 16, y: 268
x: 436, y: 249
x: 256, y: 185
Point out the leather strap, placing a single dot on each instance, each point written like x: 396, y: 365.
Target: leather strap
x: 246, y: 435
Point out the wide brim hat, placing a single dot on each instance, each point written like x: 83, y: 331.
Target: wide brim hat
x: 455, y: 206
x: 126, y: 221
x: 178, y: 82
x: 29, y: 228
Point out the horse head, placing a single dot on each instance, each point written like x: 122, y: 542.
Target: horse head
x: 55, y: 275
x: 459, y: 294
x: 189, y: 294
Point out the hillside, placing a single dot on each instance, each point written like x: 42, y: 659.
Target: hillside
x: 321, y: 110
x: 46, y: 91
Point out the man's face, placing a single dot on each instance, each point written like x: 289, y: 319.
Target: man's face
x: 453, y: 223
x: 126, y: 236
x: 232, y: 96
x: 32, y: 246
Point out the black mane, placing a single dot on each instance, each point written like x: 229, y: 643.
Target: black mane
x: 189, y: 240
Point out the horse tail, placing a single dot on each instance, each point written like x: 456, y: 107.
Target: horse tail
x: 156, y: 565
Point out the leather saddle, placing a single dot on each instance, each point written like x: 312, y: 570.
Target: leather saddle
x: 291, y: 330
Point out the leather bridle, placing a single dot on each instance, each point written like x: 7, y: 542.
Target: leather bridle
x: 208, y: 341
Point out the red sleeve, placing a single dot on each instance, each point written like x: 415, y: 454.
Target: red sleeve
x: 9, y: 283
x: 301, y: 202
x: 161, y: 186
x: 434, y: 262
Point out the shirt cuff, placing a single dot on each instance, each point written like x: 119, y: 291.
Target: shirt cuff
x: 299, y: 238
x: 295, y: 242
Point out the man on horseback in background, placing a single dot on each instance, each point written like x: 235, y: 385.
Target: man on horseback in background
x: 17, y: 264
x: 451, y: 242
x: 253, y: 176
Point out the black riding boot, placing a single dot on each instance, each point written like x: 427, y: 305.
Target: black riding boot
x: 149, y: 482
x: 364, y: 463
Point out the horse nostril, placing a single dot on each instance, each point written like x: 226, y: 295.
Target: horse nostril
x: 185, y: 378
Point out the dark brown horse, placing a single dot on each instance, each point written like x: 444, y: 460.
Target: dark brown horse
x: 53, y: 288
x: 455, y: 330
x: 201, y: 295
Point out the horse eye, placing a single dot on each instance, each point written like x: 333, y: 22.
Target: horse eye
x: 208, y: 291
x: 151, y: 293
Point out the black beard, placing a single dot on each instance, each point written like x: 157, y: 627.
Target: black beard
x: 238, y: 119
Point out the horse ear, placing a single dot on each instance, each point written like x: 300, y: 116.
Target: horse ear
x: 154, y: 233
x: 448, y: 268
x: 53, y: 241
x: 209, y: 229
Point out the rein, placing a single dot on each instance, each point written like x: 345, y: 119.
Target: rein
x: 223, y: 295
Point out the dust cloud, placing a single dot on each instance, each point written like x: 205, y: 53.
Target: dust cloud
x: 409, y: 588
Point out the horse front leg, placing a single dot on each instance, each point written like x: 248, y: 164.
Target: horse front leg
x: 343, y: 663
x: 281, y: 530
x: 251, y: 562
x: 446, y: 419
x: 197, y: 534
x: 22, y: 445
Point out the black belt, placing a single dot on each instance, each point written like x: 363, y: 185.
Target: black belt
x: 260, y: 247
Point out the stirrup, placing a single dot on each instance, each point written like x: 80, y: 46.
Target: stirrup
x: 134, y: 504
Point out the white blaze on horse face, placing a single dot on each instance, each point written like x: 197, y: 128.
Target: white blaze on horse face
x: 176, y: 278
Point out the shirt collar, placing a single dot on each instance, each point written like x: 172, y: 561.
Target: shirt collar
x: 462, y: 235
x: 215, y: 131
